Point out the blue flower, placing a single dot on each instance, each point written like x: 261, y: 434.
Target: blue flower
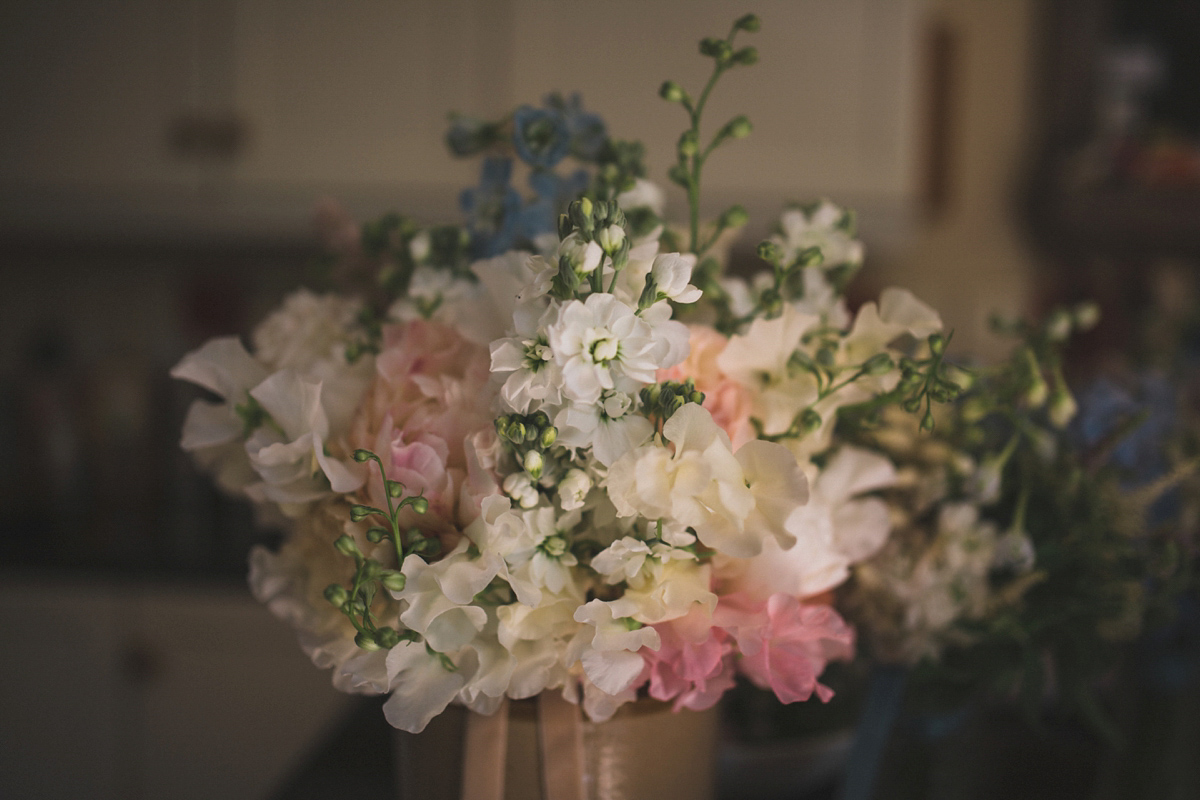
x: 1104, y: 407
x: 540, y: 136
x: 492, y: 209
x: 587, y: 131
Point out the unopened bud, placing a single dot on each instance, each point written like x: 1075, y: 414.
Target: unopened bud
x: 809, y: 421
x: 358, y: 512
x: 687, y: 144
x: 611, y: 238
x: 516, y: 432
x: 387, y: 638
x: 927, y: 421
x: 739, y: 127
x: 1058, y: 327
x: 769, y: 251
x: 419, y: 505
x: 746, y: 56
x: 533, y: 464
x: 393, y: 581
x: 549, y: 436
x: 878, y: 364
x: 336, y: 594
x: 395, y: 489
x: 937, y: 344
x: 376, y: 535
x: 366, y: 641
x: 671, y: 91
x: 734, y: 217
x: 363, y: 455
x: 346, y: 546
x: 749, y: 23
x: 1062, y: 408
x: 1037, y: 392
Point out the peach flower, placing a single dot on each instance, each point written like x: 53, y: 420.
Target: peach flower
x: 727, y: 400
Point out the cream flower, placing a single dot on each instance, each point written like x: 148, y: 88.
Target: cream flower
x: 307, y: 329
x: 601, y: 344
x: 609, y: 427
x: 609, y: 655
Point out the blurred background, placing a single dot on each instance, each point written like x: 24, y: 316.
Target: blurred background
x: 160, y: 161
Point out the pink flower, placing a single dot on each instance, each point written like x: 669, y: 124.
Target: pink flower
x: 427, y: 414
x: 785, y: 644
x: 694, y: 664
x: 727, y: 400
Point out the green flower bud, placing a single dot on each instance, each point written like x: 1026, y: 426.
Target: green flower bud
x: 912, y: 405
x: 358, y: 512
x: 393, y: 581
x: 937, y: 344
x: 387, y: 638
x: 749, y: 23
x: 746, y: 56
x: 372, y: 569
x: 809, y: 421
x: 1037, y: 392
x: 366, y: 641
x: 769, y: 251
x: 1062, y: 408
x: 376, y: 535
x: 516, y: 432
x: 394, y: 488
x: 336, y: 594
x: 419, y: 505
x: 580, y: 212
x: 734, y: 217
x: 564, y: 226
x: 739, y: 127
x: 671, y: 91
x: 346, y: 546
x: 688, y: 145
x: 679, y: 175
x: 927, y: 421
x: 878, y: 364
x: 549, y: 436
x: 363, y: 455
x: 611, y: 238
x: 696, y: 397
x: 711, y: 46
x: 540, y: 418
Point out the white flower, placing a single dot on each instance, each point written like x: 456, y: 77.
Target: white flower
x: 833, y: 530
x: 671, y: 273
x: 421, y: 686
x: 438, y: 598
x: 732, y: 503
x: 307, y: 328
x: 601, y: 344
x: 212, y: 431
x: 675, y: 584
x: 531, y: 377
x: 288, y: 452
x: 520, y: 487
x: 644, y: 194
x: 573, y: 489
x: 607, y: 426
x: 622, y: 560
x: 899, y: 312
x: 609, y: 656
x: 583, y: 256
x: 821, y: 228
x: 537, y: 639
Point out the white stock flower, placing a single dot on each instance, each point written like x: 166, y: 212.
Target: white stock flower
x: 601, y: 344
x: 520, y: 487
x: 644, y: 194
x: 583, y: 256
x: 671, y: 273
x: 820, y: 228
x: 525, y: 361
x: 573, y: 489
x: 609, y: 426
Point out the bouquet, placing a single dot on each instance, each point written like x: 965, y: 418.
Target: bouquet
x: 554, y: 448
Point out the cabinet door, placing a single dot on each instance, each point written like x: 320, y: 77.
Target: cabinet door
x: 60, y: 694
x: 90, y: 90
x: 229, y: 705
x: 354, y: 95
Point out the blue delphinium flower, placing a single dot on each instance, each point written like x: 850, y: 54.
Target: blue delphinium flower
x: 1104, y: 406
x: 587, y: 131
x: 492, y: 209
x: 552, y: 193
x: 541, y: 136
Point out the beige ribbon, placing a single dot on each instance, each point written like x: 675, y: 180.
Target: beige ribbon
x: 560, y: 741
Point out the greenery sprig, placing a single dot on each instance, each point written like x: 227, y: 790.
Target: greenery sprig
x: 691, y: 156
x: 372, y: 579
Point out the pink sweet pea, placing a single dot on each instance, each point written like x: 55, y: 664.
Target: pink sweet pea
x: 785, y: 643
x: 694, y: 664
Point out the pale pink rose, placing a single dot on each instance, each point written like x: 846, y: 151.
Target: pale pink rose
x: 427, y: 414
x: 785, y: 644
x: 727, y: 401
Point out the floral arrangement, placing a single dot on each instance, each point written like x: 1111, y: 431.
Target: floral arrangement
x: 554, y: 448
